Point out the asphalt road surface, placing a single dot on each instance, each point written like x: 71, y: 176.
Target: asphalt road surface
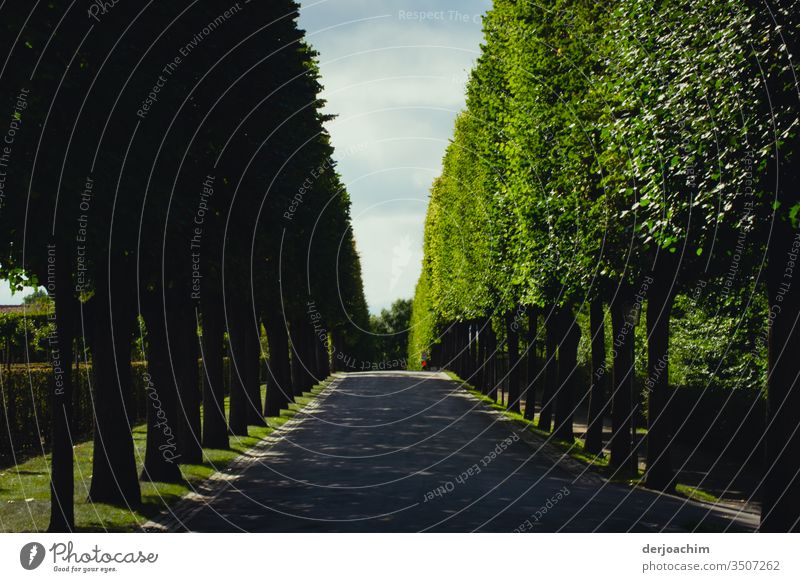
x: 405, y: 451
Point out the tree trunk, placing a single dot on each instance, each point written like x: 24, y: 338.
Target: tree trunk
x: 321, y: 352
x: 780, y: 510
x: 336, y: 351
x: 311, y: 344
x: 114, y: 477
x: 466, y: 369
x: 279, y: 385
x: 551, y: 372
x: 531, y: 367
x: 512, y: 341
x: 161, y: 453
x: 238, y: 415
x: 458, y: 336
x: 491, y: 361
x: 472, y: 351
x: 302, y: 358
x: 660, y: 474
x: 567, y: 366
x: 452, y: 347
x: 597, y: 393
x: 481, y: 373
x: 452, y: 355
x: 296, y: 360
x: 62, y: 486
x: 446, y: 363
x: 184, y: 348
x: 215, y: 425
x: 621, y: 409
x: 252, y: 372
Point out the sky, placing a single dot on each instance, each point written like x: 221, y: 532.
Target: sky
x: 394, y: 73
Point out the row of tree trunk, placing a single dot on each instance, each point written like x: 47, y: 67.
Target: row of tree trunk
x: 185, y: 351
x: 471, y: 349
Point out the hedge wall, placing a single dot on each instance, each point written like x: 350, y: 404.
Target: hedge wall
x: 25, y: 406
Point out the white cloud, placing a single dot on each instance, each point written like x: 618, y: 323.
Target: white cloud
x: 391, y: 252
x: 396, y: 82
x: 9, y: 298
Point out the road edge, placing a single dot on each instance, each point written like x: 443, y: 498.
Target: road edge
x: 174, y: 517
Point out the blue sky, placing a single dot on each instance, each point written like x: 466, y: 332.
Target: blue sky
x: 394, y: 73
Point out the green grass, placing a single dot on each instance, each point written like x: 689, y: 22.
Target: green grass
x: 695, y: 493
x: 25, y: 489
x: 577, y: 451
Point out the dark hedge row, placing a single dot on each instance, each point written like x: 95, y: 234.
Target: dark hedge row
x: 25, y: 406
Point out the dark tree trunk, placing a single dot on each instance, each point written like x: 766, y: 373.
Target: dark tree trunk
x: 62, y: 486
x: 184, y: 347
x: 482, y: 354
x: 252, y: 373
x: 302, y: 380
x: 551, y: 372
x: 309, y: 359
x: 296, y: 363
x: 332, y: 347
x: 597, y: 393
x: 472, y: 352
x: 279, y: 385
x: 336, y: 349
x: 660, y: 474
x: 161, y: 454
x: 780, y: 487
x: 447, y: 364
x: 512, y: 341
x: 238, y: 403
x: 461, y: 344
x: 567, y: 367
x: 114, y: 477
x: 461, y: 347
x: 215, y: 425
x: 621, y: 403
x: 321, y: 352
x: 531, y: 367
x: 452, y: 347
x: 477, y: 357
x: 311, y: 344
x: 491, y: 361
x: 457, y: 343
x: 481, y: 374
x: 780, y: 490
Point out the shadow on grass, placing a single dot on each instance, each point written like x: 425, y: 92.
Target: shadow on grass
x: 597, y: 463
x: 25, y: 506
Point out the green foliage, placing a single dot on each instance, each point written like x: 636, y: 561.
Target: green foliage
x: 38, y: 298
x: 602, y: 142
x: 698, y: 359
x: 390, y: 330
x: 422, y: 332
x: 24, y: 333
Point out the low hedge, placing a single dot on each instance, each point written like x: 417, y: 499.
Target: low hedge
x: 25, y: 406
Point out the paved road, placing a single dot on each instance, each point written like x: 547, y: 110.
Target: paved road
x: 410, y: 451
